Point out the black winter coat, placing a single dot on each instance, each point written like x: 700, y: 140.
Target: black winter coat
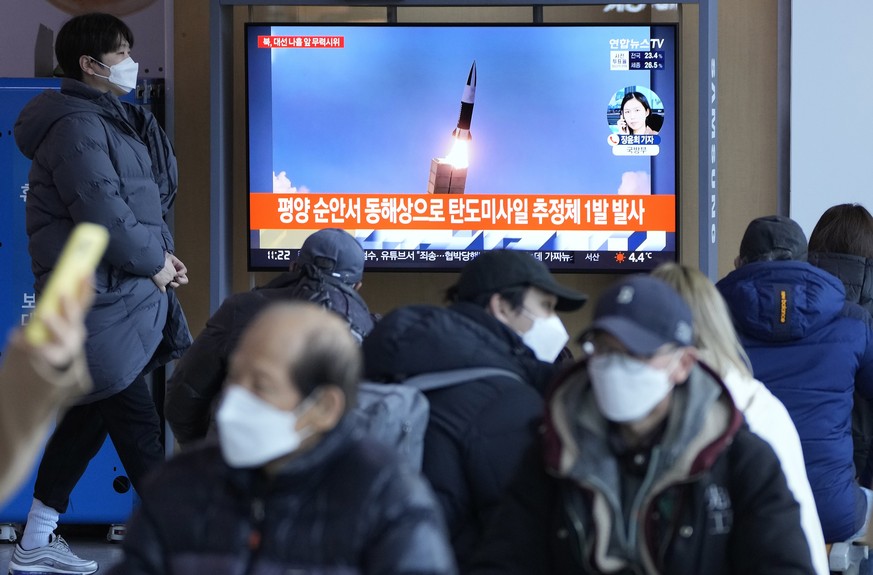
x: 198, y: 377
x: 344, y: 507
x: 479, y: 430
x: 97, y: 159
x: 709, y: 498
x: 856, y: 273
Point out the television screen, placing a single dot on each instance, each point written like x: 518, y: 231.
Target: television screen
x: 432, y: 143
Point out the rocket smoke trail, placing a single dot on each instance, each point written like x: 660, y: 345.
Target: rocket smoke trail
x: 467, y: 101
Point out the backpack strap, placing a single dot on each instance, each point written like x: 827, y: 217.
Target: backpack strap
x: 451, y: 377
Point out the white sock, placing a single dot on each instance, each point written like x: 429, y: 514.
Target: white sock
x: 41, y: 522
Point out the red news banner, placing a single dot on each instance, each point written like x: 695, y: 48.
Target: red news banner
x: 463, y: 212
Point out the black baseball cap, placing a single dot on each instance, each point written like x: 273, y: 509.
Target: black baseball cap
x: 773, y: 234
x: 643, y: 313
x: 495, y: 270
x: 335, y: 252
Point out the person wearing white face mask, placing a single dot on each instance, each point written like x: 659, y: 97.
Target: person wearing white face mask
x: 293, y: 485
x: 502, y: 315
x: 98, y: 159
x: 645, y: 464
x: 121, y: 75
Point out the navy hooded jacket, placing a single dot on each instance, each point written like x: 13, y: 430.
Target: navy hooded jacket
x: 812, y: 349
x: 856, y: 273
x: 97, y: 159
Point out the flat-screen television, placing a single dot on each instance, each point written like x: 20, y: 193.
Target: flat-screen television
x: 433, y: 143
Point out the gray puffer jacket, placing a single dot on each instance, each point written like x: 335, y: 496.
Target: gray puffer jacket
x: 100, y: 160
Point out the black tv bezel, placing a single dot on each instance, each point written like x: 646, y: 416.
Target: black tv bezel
x: 371, y: 267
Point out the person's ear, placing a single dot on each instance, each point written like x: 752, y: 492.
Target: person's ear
x: 686, y: 363
x: 86, y: 65
x: 326, y: 412
x: 91, y: 67
x: 499, y: 308
x: 738, y: 263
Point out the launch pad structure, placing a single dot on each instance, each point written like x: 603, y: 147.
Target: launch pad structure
x: 446, y: 178
x: 221, y: 38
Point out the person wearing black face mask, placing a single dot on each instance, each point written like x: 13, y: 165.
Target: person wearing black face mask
x: 645, y: 465
x: 98, y: 159
x: 502, y: 315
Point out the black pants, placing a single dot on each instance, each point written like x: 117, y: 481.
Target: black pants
x: 130, y: 419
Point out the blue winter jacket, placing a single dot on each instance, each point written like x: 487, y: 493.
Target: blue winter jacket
x: 97, y: 159
x: 811, y: 348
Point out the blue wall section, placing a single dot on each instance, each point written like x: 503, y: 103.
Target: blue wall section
x: 95, y: 499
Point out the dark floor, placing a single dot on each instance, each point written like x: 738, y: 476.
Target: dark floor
x: 86, y: 541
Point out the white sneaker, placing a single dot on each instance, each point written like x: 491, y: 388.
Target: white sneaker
x: 55, y: 557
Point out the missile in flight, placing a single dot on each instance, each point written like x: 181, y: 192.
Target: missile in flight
x: 467, y: 100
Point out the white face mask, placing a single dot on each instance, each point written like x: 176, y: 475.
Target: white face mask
x: 546, y: 337
x: 122, y: 74
x: 627, y: 389
x: 252, y: 432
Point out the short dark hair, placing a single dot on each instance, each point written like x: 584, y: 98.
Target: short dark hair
x: 514, y: 295
x: 327, y: 359
x: 93, y: 35
x: 844, y: 229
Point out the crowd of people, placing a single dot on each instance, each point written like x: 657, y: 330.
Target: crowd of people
x: 699, y: 427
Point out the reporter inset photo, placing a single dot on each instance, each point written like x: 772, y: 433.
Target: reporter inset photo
x: 635, y: 111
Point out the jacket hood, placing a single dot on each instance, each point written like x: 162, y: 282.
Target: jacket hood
x: 40, y: 114
x: 423, y: 339
x: 781, y: 300
x: 329, y: 292
x: 856, y: 273
x: 702, y: 421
